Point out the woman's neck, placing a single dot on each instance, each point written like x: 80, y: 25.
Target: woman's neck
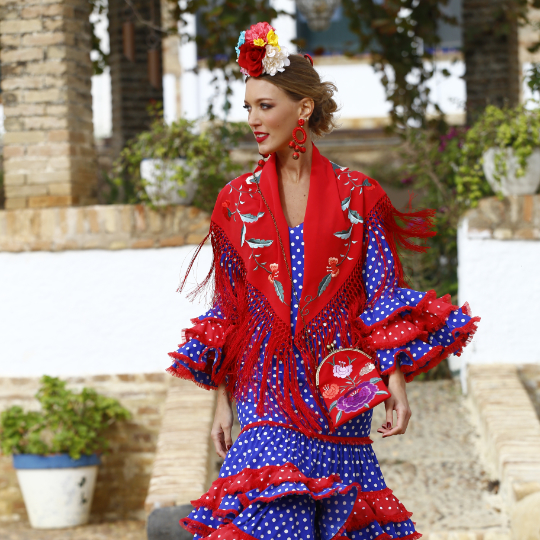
x: 294, y: 171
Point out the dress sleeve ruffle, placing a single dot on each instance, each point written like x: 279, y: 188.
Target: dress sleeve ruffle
x: 412, y: 329
x: 199, y: 357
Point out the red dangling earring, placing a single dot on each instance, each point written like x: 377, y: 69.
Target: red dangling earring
x: 296, y: 143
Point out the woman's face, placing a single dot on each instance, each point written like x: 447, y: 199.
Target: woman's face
x: 272, y: 114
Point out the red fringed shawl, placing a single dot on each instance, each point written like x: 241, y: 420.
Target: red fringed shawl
x: 256, y: 304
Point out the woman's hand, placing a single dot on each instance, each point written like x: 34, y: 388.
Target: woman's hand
x: 396, y: 402
x: 223, y: 421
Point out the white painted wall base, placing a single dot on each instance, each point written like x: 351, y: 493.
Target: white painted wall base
x: 500, y: 280
x: 93, y: 312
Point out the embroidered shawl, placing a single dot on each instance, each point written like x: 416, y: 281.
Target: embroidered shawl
x: 253, y: 289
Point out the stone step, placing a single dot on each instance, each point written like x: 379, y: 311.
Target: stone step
x: 180, y: 469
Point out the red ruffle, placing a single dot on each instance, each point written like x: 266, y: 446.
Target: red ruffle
x: 209, y: 331
x: 230, y: 532
x: 183, y: 372
x: 428, y: 316
x: 462, y: 336
x: 430, y: 295
x: 371, y: 506
x: 260, y: 479
x: 195, y: 527
x: 384, y: 509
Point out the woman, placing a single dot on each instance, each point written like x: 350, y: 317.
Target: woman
x: 305, y: 257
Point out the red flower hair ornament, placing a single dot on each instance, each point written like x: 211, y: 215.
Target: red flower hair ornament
x: 258, y: 51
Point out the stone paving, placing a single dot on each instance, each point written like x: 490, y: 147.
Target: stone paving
x: 434, y: 469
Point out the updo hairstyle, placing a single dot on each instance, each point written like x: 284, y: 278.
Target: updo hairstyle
x: 300, y: 80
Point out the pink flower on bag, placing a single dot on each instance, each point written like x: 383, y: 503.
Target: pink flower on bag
x: 274, y: 270
x: 332, y: 268
x: 341, y: 370
x: 330, y: 391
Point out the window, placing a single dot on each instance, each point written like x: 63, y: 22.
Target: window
x: 338, y: 39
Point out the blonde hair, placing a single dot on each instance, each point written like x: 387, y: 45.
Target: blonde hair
x: 299, y: 80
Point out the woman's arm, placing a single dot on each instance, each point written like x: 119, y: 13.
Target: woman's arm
x: 223, y: 421
x: 397, y: 402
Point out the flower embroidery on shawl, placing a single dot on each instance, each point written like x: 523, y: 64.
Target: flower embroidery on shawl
x: 341, y: 371
x: 354, y: 218
x: 254, y: 243
x: 274, y: 270
x: 332, y: 268
x: 226, y: 210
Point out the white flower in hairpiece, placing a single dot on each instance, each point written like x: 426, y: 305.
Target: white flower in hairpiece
x: 275, y: 59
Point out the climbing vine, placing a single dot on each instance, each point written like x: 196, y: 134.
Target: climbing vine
x: 402, y: 37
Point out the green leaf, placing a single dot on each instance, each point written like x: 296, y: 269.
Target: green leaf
x: 355, y: 217
x: 375, y: 380
x: 344, y: 234
x: 68, y: 422
x: 324, y: 283
x: 345, y: 203
x: 243, y: 234
x: 257, y: 243
x: 279, y: 290
x: 332, y: 405
x: 250, y: 218
x: 339, y: 414
x: 381, y: 392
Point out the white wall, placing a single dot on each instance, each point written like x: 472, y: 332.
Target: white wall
x: 92, y: 312
x: 500, y: 280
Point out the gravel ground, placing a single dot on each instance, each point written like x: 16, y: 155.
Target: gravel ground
x: 118, y: 530
x: 434, y: 469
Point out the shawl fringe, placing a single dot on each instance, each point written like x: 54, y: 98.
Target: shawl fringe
x: 249, y: 320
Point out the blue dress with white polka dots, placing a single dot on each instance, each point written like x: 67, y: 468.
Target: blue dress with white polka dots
x: 276, y: 482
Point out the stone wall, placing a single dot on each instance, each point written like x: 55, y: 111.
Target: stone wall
x: 101, y: 227
x: 49, y: 156
x: 124, y: 474
x: 511, y: 218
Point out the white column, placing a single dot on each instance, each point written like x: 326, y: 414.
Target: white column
x: 190, y: 97
x: 285, y: 26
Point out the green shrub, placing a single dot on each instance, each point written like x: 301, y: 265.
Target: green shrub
x: 67, y: 423
x: 207, y: 155
x: 508, y: 127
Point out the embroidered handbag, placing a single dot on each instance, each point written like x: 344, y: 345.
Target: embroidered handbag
x: 349, y: 384
x: 347, y: 378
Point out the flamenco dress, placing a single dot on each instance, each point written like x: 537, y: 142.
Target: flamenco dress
x: 278, y: 483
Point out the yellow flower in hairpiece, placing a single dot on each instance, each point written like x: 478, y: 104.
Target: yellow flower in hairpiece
x: 272, y: 39
x: 259, y: 42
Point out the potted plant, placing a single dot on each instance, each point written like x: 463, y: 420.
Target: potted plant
x: 503, y: 146
x: 56, y: 451
x: 178, y: 163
